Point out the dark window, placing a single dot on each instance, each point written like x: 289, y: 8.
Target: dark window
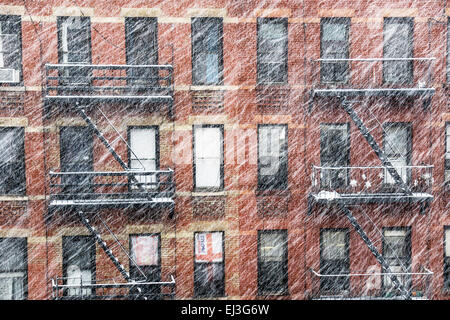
x: 144, y: 151
x: 334, y: 154
x: 272, y: 156
x: 398, y: 43
x: 334, y: 44
x: 209, y: 268
x: 397, y: 253
x: 208, y: 156
x: 207, y: 51
x: 447, y: 257
x: 272, y: 262
x: 13, y: 268
x: 78, y: 263
x: 146, y: 253
x: 12, y: 161
x: 10, y: 49
x: 447, y: 152
x: 74, y: 46
x: 272, y: 50
x: 448, y: 49
x: 76, y: 149
x: 334, y: 260
x: 142, y: 49
x: 397, y: 149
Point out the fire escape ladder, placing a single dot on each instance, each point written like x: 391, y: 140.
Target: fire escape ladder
x: 374, y: 145
x: 107, y: 249
x: 405, y: 293
x: 108, y: 144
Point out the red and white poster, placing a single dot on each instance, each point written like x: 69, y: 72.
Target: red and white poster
x: 145, y: 249
x: 208, y: 247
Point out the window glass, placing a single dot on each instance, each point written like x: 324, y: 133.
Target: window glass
x: 10, y: 49
x: 272, y: 150
x: 143, y: 143
x: 397, y: 148
x: 12, y: 160
x: 13, y: 268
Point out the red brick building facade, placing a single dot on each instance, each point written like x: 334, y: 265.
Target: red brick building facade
x: 261, y: 182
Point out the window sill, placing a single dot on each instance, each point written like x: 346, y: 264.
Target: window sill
x: 206, y: 193
x: 207, y: 87
x: 13, y: 198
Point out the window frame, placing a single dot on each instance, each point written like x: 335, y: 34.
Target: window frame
x: 22, y: 189
x: 157, y: 147
x: 206, y: 23
x: 59, y: 22
x: 408, y: 242
x: 24, y: 241
x: 347, y: 22
x: 281, y: 181
x: 198, y: 294
x: 260, y: 79
x: 446, y: 261
x: 346, y: 264
x: 448, y: 51
x: 447, y: 152
x: 283, y: 265
x: 409, y: 128
x: 194, y: 166
x: 154, y: 271
x: 65, y: 259
x: 409, y: 22
x: 20, y: 48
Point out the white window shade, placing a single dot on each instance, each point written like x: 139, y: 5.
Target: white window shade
x: 334, y: 246
x: 208, y: 247
x: 143, y: 153
x: 208, y: 157
x: 447, y: 243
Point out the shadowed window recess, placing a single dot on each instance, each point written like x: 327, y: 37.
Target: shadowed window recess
x: 272, y: 262
x: 78, y: 264
x: 142, y: 49
x: 272, y: 50
x: 334, y: 152
x: 146, y: 253
x: 12, y: 161
x: 208, y: 157
x: 10, y: 49
x: 76, y: 155
x: 272, y: 157
x: 447, y: 153
x: 334, y: 260
x: 447, y: 257
x: 334, y: 44
x: 74, y: 47
x: 207, y: 51
x: 209, y: 265
x: 398, y: 43
x: 13, y: 268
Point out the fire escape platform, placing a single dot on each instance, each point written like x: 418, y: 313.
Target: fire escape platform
x: 329, y: 197
x: 407, y: 92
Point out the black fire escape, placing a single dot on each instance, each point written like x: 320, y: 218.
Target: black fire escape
x: 385, y: 183
x: 83, y: 90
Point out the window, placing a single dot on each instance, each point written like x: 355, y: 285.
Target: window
x: 207, y: 51
x: 448, y: 49
x: 397, y: 253
x: 13, y: 268
x: 10, y: 49
x: 272, y: 157
x: 74, y: 41
x: 398, y: 43
x: 146, y: 253
x: 272, y: 50
x: 208, y: 156
x: 142, y: 49
x: 334, y: 44
x: 447, y: 257
x: 12, y: 161
x: 78, y: 263
x: 334, y: 153
x: 144, y: 152
x: 76, y: 149
x: 397, y: 149
x: 272, y: 262
x: 334, y: 259
x: 447, y: 152
x: 209, y: 270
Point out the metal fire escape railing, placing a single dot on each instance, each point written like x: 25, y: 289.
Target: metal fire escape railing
x: 342, y: 95
x: 70, y: 84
